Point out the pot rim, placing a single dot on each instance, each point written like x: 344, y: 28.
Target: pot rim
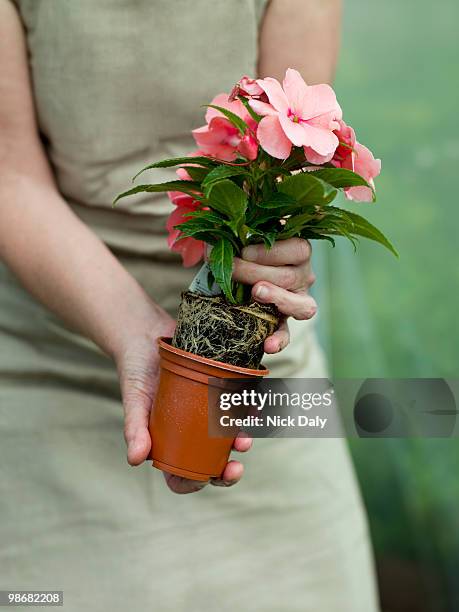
x: 165, y: 343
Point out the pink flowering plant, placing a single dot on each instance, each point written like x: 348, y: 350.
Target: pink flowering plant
x: 270, y: 160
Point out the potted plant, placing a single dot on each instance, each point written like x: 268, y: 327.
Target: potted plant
x: 270, y: 161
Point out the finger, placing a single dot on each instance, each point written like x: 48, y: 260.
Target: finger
x: 298, y: 305
x: 183, y: 486
x: 279, y: 339
x: 136, y: 431
x: 231, y: 475
x: 243, y: 442
x: 294, y: 251
x: 288, y: 277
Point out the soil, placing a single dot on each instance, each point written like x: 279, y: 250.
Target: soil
x: 212, y: 327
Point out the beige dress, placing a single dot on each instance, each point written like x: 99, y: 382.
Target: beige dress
x: 119, y: 83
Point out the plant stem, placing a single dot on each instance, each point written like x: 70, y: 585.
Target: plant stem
x: 240, y: 293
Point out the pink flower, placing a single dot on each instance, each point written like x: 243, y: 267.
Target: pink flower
x: 180, y: 200
x: 345, y: 150
x: 220, y: 139
x: 248, y: 88
x: 300, y: 115
x: 354, y: 156
x: 369, y: 168
x: 191, y: 250
x: 177, y: 197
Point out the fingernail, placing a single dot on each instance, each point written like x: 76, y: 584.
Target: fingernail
x: 249, y: 253
x: 262, y: 292
x: 223, y: 483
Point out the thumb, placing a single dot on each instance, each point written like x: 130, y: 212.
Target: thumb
x: 138, y: 390
x: 136, y: 433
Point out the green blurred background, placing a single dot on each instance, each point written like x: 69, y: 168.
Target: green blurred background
x: 398, y: 81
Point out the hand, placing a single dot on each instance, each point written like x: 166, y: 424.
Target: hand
x: 138, y: 369
x: 281, y: 276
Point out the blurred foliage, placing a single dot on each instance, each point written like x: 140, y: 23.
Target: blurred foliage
x: 386, y: 318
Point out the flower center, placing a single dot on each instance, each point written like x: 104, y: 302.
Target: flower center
x: 293, y: 116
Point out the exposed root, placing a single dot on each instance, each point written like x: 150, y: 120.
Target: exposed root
x: 213, y: 328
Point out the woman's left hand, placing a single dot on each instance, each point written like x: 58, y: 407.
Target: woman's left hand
x: 281, y: 276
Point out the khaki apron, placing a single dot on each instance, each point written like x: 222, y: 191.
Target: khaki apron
x: 117, y: 84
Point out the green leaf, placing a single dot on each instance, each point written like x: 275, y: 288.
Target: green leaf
x: 260, y: 216
x: 255, y: 236
x: 362, y: 227
x: 295, y: 225
x: 203, y: 235
x: 219, y: 173
x: 346, y: 222
x: 196, y: 173
x: 189, y: 187
x: 307, y: 189
x: 309, y: 234
x: 221, y: 264
x: 269, y: 238
x: 194, y: 225
x: 205, y: 225
x: 342, y: 229
x: 179, y: 161
x: 341, y: 178
x: 227, y: 198
x: 278, y: 200
x: 250, y: 110
x: 239, y: 123
x: 208, y: 215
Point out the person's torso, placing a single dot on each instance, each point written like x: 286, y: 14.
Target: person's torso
x: 120, y: 83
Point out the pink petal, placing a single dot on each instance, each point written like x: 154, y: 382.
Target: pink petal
x: 295, y: 89
x: 321, y: 141
x: 246, y: 87
x: 250, y: 86
x: 359, y: 194
x: 183, y: 174
x: 346, y: 133
x: 181, y: 199
x: 223, y: 152
x: 222, y: 124
x: 348, y: 162
x: 368, y: 167
x: 191, y: 250
x: 176, y: 217
x: 275, y: 93
x: 204, y: 136
x: 344, y: 154
x: 365, y: 164
x: 315, y: 158
x: 295, y: 132
x: 248, y: 147
x: 218, y: 130
x: 272, y: 137
x: 222, y: 100
x: 326, y: 120
x: 319, y: 100
x: 213, y: 139
x: 262, y: 108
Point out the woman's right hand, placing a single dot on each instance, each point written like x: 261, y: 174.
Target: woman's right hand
x: 138, y: 368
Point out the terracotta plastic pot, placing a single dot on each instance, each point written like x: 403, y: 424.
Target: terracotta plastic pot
x: 179, y: 420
